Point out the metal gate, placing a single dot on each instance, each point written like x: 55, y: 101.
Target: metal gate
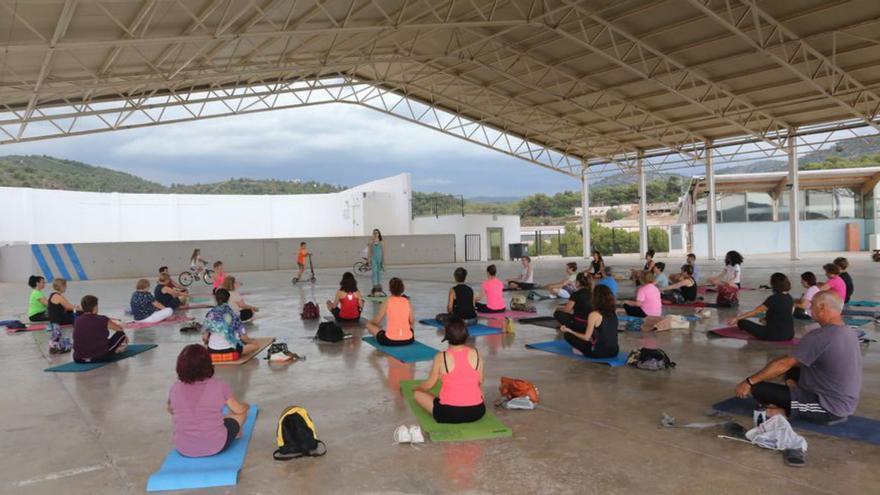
x: 472, y: 246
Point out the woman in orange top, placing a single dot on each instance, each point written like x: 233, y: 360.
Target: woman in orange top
x: 398, y: 315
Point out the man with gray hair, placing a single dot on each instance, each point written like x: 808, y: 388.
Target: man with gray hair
x: 823, y: 374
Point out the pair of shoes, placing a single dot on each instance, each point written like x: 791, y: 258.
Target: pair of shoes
x: 408, y: 434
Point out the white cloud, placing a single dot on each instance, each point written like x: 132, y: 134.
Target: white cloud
x: 305, y: 131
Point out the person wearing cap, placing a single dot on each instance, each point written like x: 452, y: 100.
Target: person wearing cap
x: 460, y: 371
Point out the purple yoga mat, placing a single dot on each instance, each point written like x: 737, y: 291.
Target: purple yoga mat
x: 736, y: 333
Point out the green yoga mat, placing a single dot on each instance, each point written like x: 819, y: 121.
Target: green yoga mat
x: 376, y: 298
x: 489, y: 426
x: 73, y: 367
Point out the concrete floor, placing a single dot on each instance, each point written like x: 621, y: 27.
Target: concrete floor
x: 597, y: 430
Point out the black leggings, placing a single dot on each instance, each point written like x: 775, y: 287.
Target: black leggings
x: 232, y: 429
x: 521, y: 285
x: 762, y: 332
x: 634, y: 311
x: 567, y: 320
x: 44, y: 316
x: 245, y: 314
x: 457, y: 414
x: 482, y: 308
x: 336, y: 316
x: 383, y: 340
x: 586, y: 347
x: 800, y: 314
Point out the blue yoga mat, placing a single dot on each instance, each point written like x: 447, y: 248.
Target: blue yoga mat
x: 859, y: 312
x: 562, y: 348
x: 72, y: 367
x: 641, y: 318
x: 854, y: 428
x: 477, y: 330
x: 411, y: 353
x: 869, y: 304
x: 182, y: 473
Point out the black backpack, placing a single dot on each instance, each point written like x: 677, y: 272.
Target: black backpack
x: 329, y: 331
x: 649, y: 359
x: 296, y: 436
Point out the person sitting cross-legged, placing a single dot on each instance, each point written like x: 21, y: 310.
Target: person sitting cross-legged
x: 460, y: 301
x: 647, y: 301
x: 599, y: 337
x: 684, y: 290
x: 460, y: 371
x: 225, y: 334
x: 822, y: 375
x: 196, y: 402
x: 778, y: 309
x: 573, y: 314
x: 398, y: 316
x: 96, y: 337
x: 144, y: 307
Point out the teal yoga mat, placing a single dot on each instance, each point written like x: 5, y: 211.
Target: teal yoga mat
x: 489, y: 426
x: 411, y: 353
x: 477, y: 330
x: 562, y: 348
x: 183, y: 473
x: 72, y: 367
x: 869, y: 304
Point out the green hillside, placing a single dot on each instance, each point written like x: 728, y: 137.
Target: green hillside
x: 45, y: 172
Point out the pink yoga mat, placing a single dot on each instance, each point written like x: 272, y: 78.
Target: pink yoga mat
x: 36, y: 327
x: 509, y: 314
x: 736, y: 333
x: 137, y: 325
x: 196, y: 306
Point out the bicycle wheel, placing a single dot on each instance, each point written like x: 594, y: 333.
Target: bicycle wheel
x: 208, y: 277
x: 361, y: 268
x: 185, y: 279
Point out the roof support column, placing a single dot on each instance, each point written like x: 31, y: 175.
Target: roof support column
x: 585, y: 211
x: 711, y: 202
x: 794, y: 210
x: 643, y: 204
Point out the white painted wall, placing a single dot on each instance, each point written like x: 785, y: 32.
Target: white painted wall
x: 40, y: 216
x: 773, y: 237
x: 468, y: 225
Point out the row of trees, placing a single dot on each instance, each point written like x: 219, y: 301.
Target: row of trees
x: 604, y: 239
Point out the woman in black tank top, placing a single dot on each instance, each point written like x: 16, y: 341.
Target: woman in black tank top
x: 685, y: 290
x: 61, y: 312
x: 599, y: 340
x: 460, y: 302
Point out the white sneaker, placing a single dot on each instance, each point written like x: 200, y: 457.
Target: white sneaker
x: 552, y: 296
x: 401, y: 435
x: 415, y: 433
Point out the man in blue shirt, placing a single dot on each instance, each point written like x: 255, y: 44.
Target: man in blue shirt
x: 608, y: 281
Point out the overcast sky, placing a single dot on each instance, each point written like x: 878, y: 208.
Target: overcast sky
x: 338, y: 144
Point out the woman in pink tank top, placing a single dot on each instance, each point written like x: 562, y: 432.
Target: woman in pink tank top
x: 398, y: 316
x: 460, y: 371
x: 492, y: 292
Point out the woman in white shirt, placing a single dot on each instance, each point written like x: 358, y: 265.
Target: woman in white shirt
x: 732, y: 272
x: 526, y: 277
x: 803, y: 305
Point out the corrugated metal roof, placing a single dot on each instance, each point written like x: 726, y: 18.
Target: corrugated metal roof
x: 592, y: 79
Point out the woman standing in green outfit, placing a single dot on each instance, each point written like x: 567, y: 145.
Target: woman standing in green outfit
x: 377, y: 260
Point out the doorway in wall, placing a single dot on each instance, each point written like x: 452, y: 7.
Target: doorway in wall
x: 496, y: 243
x: 472, y: 247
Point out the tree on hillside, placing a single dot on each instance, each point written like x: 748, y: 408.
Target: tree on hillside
x: 614, y: 214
